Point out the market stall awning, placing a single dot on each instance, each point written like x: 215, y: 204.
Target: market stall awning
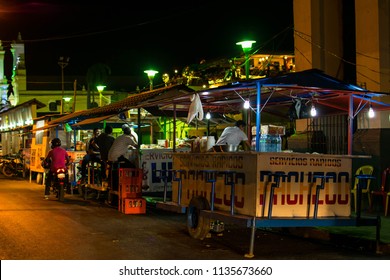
x: 75, y: 116
x: 44, y: 127
x: 279, y: 93
x: 90, y: 121
x: 167, y: 94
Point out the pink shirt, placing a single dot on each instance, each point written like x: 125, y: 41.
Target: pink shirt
x: 59, y: 158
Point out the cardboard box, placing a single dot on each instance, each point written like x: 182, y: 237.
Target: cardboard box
x: 273, y: 129
x: 132, y: 206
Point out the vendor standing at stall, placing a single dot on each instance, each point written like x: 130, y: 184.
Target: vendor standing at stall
x: 235, y: 135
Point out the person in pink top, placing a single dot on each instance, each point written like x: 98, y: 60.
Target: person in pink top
x: 56, y: 158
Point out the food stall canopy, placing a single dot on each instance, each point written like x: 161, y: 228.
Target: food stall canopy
x: 92, y: 120
x: 72, y: 117
x: 131, y: 102
x: 44, y: 127
x: 273, y: 95
x: 278, y: 94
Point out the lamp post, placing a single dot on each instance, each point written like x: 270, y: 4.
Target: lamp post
x: 62, y: 62
x: 151, y: 74
x: 66, y: 105
x: 208, y: 117
x: 246, y: 46
x: 100, y: 89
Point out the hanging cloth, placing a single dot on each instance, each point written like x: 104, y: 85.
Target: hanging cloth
x: 196, y: 109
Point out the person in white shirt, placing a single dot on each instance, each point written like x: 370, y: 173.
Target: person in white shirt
x: 124, y: 148
x: 234, y: 135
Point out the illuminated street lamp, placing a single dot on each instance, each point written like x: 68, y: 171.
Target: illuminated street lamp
x: 66, y: 105
x: 246, y: 46
x: 151, y: 74
x: 100, y: 89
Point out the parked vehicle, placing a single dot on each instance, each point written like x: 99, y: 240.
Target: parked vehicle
x: 13, y: 165
x: 3, y: 160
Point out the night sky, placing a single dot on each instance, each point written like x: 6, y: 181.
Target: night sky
x: 164, y: 36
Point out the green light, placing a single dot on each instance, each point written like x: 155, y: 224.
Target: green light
x: 100, y: 88
x: 246, y: 45
x: 151, y: 73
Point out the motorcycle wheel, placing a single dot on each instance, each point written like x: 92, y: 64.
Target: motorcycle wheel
x: 61, y: 192
x: 8, y: 170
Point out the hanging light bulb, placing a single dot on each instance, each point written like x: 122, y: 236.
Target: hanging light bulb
x: 208, y: 115
x: 371, y: 112
x: 313, y: 111
x: 246, y: 104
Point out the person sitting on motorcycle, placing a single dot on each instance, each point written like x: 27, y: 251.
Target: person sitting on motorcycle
x: 92, y: 155
x: 56, y: 158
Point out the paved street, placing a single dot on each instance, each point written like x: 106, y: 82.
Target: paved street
x: 32, y: 228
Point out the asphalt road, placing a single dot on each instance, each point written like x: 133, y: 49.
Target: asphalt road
x: 32, y: 228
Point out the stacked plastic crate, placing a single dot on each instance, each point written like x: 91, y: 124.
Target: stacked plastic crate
x: 130, y: 191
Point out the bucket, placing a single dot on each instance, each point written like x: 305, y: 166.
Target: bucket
x: 225, y: 148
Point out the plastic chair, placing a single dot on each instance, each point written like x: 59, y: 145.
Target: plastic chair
x: 384, y: 191
x: 362, y: 170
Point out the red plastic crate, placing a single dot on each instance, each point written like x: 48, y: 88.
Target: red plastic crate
x: 133, y: 206
x: 130, y: 183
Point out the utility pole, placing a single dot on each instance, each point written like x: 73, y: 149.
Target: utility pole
x: 62, y: 62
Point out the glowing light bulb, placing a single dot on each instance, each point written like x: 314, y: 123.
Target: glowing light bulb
x: 313, y: 111
x: 246, y: 104
x: 371, y: 112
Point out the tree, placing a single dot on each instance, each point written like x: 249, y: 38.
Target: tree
x: 96, y: 74
x: 8, y: 67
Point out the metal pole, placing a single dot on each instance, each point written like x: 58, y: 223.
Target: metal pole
x: 62, y: 96
x: 258, y: 117
x: 350, y: 125
x: 74, y: 96
x: 246, y: 65
x: 62, y: 63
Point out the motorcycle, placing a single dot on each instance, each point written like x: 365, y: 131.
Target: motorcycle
x: 3, y: 160
x: 59, y: 182
x: 59, y: 179
x: 13, y: 166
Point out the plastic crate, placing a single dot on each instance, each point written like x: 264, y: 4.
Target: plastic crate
x: 132, y: 206
x: 130, y: 183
